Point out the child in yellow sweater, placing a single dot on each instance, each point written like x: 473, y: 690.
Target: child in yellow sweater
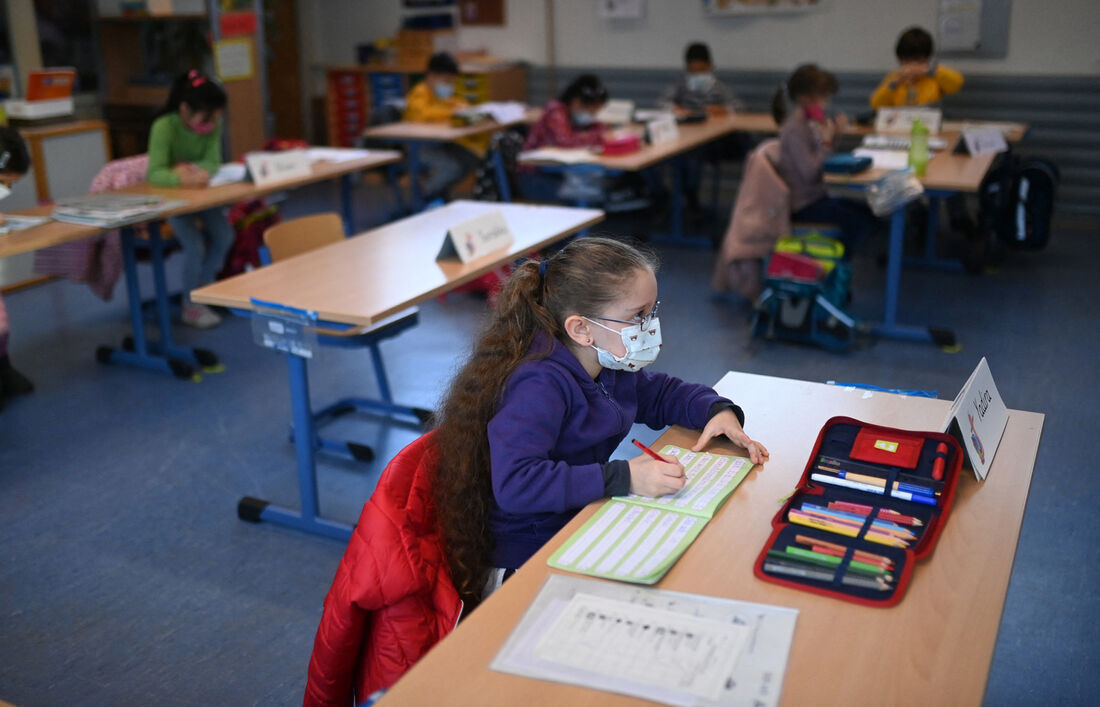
x: 433, y: 100
x: 917, y: 81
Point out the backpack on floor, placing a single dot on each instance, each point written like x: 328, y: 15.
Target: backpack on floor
x: 1017, y: 200
x: 806, y: 288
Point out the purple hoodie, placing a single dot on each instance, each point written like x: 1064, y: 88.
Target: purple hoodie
x: 554, y: 431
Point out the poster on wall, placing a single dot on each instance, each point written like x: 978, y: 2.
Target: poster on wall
x: 741, y: 7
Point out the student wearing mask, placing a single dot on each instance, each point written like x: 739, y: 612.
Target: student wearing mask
x: 433, y: 100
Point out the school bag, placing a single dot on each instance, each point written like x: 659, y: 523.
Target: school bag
x: 1016, y: 201
x: 807, y: 285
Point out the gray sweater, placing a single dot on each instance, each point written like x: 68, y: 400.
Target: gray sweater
x: 801, y: 160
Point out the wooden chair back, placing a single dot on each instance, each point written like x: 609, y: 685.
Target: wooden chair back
x: 300, y: 235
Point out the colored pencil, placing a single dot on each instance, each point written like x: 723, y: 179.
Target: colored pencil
x: 858, y: 525
x: 846, y: 464
x: 903, y: 495
x: 825, y: 560
x: 859, y: 518
x: 884, y: 513
x: 824, y: 575
x: 833, y: 527
x: 866, y: 555
x: 649, y: 451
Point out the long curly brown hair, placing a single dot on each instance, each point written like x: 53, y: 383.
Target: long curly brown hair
x: 581, y: 278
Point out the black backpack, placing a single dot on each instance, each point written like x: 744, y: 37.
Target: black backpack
x: 1016, y: 199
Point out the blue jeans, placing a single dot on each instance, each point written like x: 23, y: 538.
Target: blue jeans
x: 202, y: 260
x: 854, y: 218
x: 448, y: 163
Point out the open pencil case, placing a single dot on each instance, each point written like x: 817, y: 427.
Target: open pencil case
x: 869, y: 504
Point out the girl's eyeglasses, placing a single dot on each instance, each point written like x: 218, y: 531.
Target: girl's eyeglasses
x: 641, y: 320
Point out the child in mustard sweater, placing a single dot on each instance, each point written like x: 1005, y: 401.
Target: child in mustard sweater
x: 433, y: 100
x: 917, y: 81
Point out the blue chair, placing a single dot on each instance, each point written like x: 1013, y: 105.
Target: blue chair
x: 298, y: 236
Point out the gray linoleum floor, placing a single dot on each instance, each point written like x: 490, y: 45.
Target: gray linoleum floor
x: 126, y: 578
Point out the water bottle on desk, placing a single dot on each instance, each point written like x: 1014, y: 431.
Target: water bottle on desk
x: 918, y: 147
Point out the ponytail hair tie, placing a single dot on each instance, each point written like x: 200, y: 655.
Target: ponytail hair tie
x: 196, y: 78
x: 542, y: 270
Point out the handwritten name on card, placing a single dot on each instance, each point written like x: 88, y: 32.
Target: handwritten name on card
x: 476, y: 237
x: 272, y: 167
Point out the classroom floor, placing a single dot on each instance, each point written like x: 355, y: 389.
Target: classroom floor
x: 126, y: 578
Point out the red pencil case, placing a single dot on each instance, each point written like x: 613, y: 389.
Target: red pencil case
x: 838, y: 536
x: 623, y: 145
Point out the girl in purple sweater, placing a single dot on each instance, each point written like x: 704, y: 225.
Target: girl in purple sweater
x: 551, y: 389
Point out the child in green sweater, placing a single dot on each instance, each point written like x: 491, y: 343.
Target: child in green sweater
x: 185, y: 151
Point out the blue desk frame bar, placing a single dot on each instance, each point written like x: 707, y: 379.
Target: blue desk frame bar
x: 163, y: 355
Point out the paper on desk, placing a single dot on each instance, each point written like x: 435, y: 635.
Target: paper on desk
x: 644, y: 115
x: 503, y: 111
x: 885, y: 159
x: 638, y: 539
x: 335, y: 154
x: 644, y: 645
x: 18, y: 223
x: 736, y: 653
x: 229, y: 173
x: 564, y: 155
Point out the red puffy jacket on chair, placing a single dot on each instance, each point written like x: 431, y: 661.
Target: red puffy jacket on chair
x: 392, y: 598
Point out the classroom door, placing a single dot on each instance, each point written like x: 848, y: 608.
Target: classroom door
x: 284, y: 80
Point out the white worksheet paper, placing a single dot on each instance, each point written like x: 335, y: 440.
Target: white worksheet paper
x: 668, y: 647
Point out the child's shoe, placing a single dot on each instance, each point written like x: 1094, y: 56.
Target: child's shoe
x: 12, y: 382
x: 199, y: 316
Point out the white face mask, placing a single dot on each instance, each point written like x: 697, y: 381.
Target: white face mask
x: 5, y: 191
x: 700, y: 82
x: 641, y: 345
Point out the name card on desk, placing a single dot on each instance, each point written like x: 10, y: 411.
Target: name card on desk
x: 273, y: 167
x: 983, y: 141
x: 900, y: 120
x: 662, y: 129
x: 977, y: 419
x: 476, y: 237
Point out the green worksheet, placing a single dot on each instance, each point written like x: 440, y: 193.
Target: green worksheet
x: 636, y: 538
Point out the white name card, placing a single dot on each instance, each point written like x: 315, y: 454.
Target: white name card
x: 663, y: 129
x: 272, y: 167
x: 616, y: 112
x: 984, y: 141
x: 476, y: 237
x: 900, y: 120
x: 978, y: 418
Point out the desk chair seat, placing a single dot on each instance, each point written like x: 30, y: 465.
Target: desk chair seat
x: 291, y: 238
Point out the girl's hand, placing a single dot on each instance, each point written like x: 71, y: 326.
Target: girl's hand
x: 192, y: 175
x: 725, y: 423
x: 649, y: 477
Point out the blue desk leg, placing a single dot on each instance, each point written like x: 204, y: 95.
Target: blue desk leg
x: 347, y: 204
x: 504, y: 189
x: 677, y: 238
x: 890, y: 328
x: 307, y: 519
x: 930, y: 260
x: 414, y: 177
x: 137, y: 350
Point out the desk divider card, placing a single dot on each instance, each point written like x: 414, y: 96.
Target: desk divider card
x: 476, y: 237
x: 977, y: 419
x: 668, y: 647
x: 662, y: 129
x: 638, y: 539
x: 273, y: 167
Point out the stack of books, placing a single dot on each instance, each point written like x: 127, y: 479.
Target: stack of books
x: 110, y: 210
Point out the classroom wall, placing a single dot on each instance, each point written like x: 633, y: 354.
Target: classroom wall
x: 845, y: 35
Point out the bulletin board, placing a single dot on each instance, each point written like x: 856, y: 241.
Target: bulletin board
x: 973, y: 28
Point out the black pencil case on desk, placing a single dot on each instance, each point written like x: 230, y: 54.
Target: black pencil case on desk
x: 839, y: 577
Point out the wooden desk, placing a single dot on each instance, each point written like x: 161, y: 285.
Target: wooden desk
x: 413, y: 134
x: 196, y: 199
x: 407, y: 131
x: 364, y: 280
x: 163, y: 354
x: 934, y: 648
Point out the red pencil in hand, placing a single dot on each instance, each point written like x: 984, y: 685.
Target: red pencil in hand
x: 649, y: 451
